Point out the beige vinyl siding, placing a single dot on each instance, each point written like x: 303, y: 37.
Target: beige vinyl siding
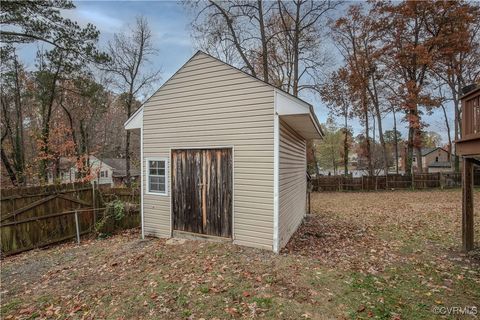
x: 292, y: 182
x: 210, y: 104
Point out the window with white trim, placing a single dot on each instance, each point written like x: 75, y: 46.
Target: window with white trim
x: 157, y: 176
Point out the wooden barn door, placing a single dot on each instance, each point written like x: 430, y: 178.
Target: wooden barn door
x: 202, y: 191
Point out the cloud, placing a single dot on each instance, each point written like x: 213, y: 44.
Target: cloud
x: 104, y: 22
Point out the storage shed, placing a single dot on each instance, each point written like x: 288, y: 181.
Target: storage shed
x: 223, y: 155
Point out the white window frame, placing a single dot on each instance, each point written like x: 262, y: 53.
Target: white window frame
x: 147, y: 176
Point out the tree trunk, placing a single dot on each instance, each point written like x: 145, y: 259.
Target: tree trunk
x: 45, y: 135
x: 128, y: 179
x: 448, y: 133
x: 45, y: 150
x: 19, y: 142
x: 367, y: 134
x: 314, y: 156
x: 235, y: 39
x: 419, y: 159
x: 264, y: 41
x: 345, y: 147
x: 413, y: 124
x: 127, y: 159
x: 296, y: 53
x: 83, y: 153
x: 457, y: 133
x: 409, y: 155
x: 382, y: 140
x: 8, y: 167
x: 395, y: 138
x: 376, y: 104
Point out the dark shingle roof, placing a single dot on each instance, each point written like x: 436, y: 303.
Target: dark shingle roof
x: 440, y: 164
x: 119, y: 167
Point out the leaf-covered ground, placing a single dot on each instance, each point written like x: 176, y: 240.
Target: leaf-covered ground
x: 388, y: 255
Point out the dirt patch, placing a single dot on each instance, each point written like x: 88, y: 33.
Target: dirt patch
x: 340, y: 244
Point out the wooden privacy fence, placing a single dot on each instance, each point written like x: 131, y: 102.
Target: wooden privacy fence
x: 108, y: 194
x: 372, y: 183
x: 34, y: 217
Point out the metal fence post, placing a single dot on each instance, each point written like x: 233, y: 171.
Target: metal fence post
x: 77, y: 227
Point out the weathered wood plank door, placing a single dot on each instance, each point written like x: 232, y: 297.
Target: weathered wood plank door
x: 202, y: 191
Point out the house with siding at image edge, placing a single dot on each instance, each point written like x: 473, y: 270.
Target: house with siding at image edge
x: 223, y: 156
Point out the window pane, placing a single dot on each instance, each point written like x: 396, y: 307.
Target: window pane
x: 153, y: 171
x: 157, y: 167
x: 153, y: 166
x: 153, y: 187
x: 154, y: 179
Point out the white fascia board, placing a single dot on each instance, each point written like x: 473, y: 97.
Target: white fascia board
x: 316, y: 124
x: 135, y: 121
x: 286, y: 104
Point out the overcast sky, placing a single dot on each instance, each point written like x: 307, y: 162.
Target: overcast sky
x: 169, y: 22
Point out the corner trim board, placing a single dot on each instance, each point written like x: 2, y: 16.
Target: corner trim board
x: 142, y: 171
x: 276, y: 167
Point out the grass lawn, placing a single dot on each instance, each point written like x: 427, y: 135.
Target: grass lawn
x: 385, y: 255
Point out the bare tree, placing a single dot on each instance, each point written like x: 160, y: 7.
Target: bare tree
x: 130, y: 53
x: 280, y: 42
x: 303, y: 22
x: 235, y: 31
x: 51, y: 65
x: 351, y: 38
x: 458, y: 68
x: 336, y: 93
x: 12, y: 115
x: 84, y: 102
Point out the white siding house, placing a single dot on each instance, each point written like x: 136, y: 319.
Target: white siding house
x: 223, y: 154
x: 103, y: 173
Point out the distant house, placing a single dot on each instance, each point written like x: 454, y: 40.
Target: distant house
x: 119, y: 170
x: 439, y: 166
x: 433, y: 160
x: 108, y: 171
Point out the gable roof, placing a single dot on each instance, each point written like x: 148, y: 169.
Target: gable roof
x: 139, y: 111
x: 426, y: 151
x: 119, y: 167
